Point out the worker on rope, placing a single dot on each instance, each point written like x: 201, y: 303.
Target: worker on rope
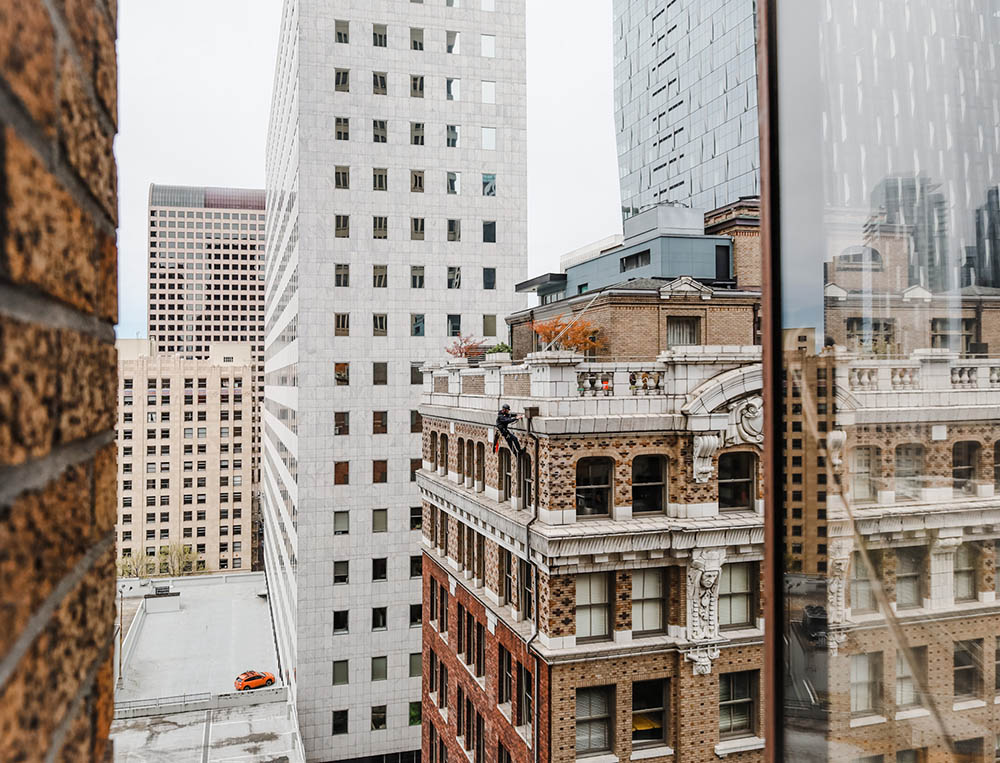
x: 504, y: 419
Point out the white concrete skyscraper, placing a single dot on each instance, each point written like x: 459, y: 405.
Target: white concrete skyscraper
x: 396, y: 205
x: 685, y: 85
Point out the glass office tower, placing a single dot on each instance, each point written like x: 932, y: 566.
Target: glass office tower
x: 685, y: 85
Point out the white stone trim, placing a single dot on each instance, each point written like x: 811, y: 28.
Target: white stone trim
x: 912, y: 712
x: 743, y: 744
x: 867, y: 720
x: 968, y: 704
x: 645, y: 753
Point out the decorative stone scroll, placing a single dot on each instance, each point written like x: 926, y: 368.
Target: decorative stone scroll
x: 705, y: 447
x: 835, y: 442
x: 702, y: 657
x: 839, y: 557
x: 746, y: 422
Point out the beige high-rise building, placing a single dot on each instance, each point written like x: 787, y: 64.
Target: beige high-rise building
x: 206, y: 282
x: 184, y: 450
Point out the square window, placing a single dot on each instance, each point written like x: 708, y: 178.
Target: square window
x: 341, y: 523
x: 416, y: 229
x: 380, y: 618
x: 379, y: 35
x: 378, y: 717
x: 341, y: 324
x: 454, y: 325
x: 342, y: 422
x: 342, y: 31
x: 416, y: 664
x: 416, y: 375
x: 342, y: 128
x: 342, y: 226
x: 379, y: 668
x: 341, y: 80
x: 340, y: 621
x: 341, y: 472
x: 417, y: 325
x: 416, y: 614
x: 489, y: 325
x: 342, y: 177
x: 380, y: 472
x: 340, y: 676
x: 341, y: 573
x: 380, y: 570
x: 416, y: 565
x: 416, y: 38
x: 380, y: 520
x: 417, y: 282
x: 339, y: 722
x: 342, y: 275
x: 380, y: 422
x: 380, y: 374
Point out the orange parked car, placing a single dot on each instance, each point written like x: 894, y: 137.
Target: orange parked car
x: 253, y: 679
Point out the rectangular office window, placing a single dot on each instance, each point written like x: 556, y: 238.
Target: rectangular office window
x: 489, y: 278
x: 416, y: 38
x: 968, y: 669
x: 593, y: 608
x: 380, y: 227
x: 341, y: 324
x: 341, y: 274
x: 342, y: 80
x: 380, y: 131
x: 342, y: 226
x: 380, y: 276
x: 342, y: 128
x: 737, y: 704
x: 416, y: 324
x: 454, y: 277
x: 380, y: 324
x: 380, y: 179
x: 342, y: 177
x: 416, y: 181
x: 594, y: 708
x: 417, y: 280
x: 416, y: 229
x: 489, y: 231
x: 416, y: 86
x: 489, y: 138
x: 453, y: 185
x: 647, y: 601
x: 380, y: 373
x: 379, y: 86
x: 866, y: 683
x: 342, y: 31
x: 489, y: 184
x: 489, y: 325
x: 454, y: 230
x: 380, y: 422
x: 489, y: 91
x: 454, y: 325
x: 451, y: 89
x: 487, y: 45
x: 451, y: 136
x: 342, y: 423
x: 379, y: 36
x: 417, y: 138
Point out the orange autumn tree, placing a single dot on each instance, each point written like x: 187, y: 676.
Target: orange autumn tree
x: 466, y: 347
x: 579, y: 336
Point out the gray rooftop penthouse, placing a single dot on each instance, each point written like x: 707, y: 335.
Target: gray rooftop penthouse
x: 667, y: 241
x: 205, y: 197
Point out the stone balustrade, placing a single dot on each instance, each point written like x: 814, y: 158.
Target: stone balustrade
x: 925, y: 370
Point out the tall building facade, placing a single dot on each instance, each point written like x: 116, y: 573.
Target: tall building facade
x: 595, y: 593
x: 206, y: 284
x: 184, y: 448
x: 396, y: 224
x: 685, y: 88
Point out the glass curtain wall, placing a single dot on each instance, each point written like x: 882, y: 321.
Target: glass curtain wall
x: 881, y: 167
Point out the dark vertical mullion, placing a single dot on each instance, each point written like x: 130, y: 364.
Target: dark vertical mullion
x: 772, y: 685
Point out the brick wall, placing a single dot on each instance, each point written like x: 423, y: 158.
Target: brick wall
x: 58, y: 306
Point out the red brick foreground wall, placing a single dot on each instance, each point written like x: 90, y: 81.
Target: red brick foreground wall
x: 58, y: 306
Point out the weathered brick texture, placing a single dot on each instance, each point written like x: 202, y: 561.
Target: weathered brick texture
x: 58, y: 304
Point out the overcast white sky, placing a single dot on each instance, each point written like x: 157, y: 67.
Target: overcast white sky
x: 195, y: 89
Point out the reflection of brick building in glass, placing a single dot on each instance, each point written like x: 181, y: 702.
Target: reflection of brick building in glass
x: 598, y: 594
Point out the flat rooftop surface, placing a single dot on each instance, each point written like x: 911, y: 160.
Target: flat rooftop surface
x: 257, y: 733
x: 221, y: 629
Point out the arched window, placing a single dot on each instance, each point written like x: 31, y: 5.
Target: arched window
x: 996, y: 465
x: 434, y: 449
x: 504, y: 475
x: 525, y: 479
x: 460, y: 456
x: 649, y: 480
x: 480, y: 466
x: 909, y: 470
x: 470, y: 463
x: 593, y: 486
x: 737, y: 477
x: 443, y: 465
x: 964, y: 456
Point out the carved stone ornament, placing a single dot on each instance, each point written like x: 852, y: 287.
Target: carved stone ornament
x: 835, y: 441
x: 703, y: 593
x: 839, y: 556
x: 702, y: 658
x: 705, y: 447
x: 746, y: 422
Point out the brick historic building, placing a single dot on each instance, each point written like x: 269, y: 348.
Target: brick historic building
x: 598, y: 594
